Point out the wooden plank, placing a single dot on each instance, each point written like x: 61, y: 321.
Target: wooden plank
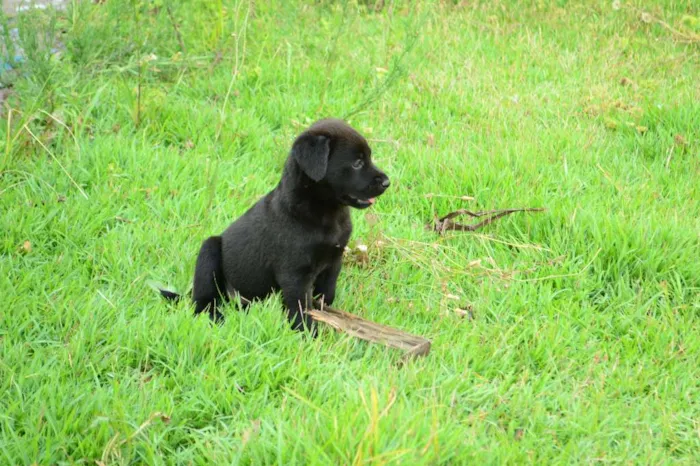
x: 358, y: 327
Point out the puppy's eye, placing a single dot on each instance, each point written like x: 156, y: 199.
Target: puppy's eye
x: 357, y: 164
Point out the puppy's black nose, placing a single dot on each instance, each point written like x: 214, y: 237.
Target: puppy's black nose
x: 386, y: 183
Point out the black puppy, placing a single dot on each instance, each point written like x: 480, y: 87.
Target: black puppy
x: 293, y: 238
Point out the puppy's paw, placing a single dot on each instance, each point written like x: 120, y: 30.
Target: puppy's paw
x: 319, y: 303
x: 312, y: 329
x: 304, y: 323
x: 216, y: 317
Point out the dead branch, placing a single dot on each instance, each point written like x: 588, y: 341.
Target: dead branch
x: 446, y: 223
x: 358, y: 327
x: 176, y: 27
x: 686, y: 37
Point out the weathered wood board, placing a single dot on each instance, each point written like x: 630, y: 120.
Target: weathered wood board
x: 358, y: 327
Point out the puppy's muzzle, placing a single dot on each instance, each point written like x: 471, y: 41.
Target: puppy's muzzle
x: 381, y: 183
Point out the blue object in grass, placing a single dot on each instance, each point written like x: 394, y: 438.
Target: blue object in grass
x: 8, y: 66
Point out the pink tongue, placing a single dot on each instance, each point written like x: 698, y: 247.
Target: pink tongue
x: 371, y: 200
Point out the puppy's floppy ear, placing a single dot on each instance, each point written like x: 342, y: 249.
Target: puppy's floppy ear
x: 311, y: 152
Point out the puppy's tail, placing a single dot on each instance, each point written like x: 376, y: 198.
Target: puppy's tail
x: 169, y: 295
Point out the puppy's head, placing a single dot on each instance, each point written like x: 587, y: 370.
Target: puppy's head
x: 338, y: 159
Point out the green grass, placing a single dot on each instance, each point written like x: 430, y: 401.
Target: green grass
x: 126, y: 151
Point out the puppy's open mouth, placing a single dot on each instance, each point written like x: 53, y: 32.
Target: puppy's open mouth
x: 357, y: 202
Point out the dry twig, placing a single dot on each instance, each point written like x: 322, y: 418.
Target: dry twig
x: 686, y: 37
x: 357, y: 327
x: 446, y: 223
x: 176, y: 27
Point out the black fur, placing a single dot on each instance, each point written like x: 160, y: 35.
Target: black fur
x: 293, y: 238
x: 169, y: 295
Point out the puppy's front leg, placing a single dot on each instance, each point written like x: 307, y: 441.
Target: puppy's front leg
x: 324, y: 288
x: 296, y: 294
